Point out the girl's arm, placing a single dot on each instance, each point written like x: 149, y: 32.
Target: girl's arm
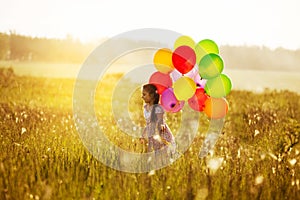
x: 144, y: 134
x: 160, y: 122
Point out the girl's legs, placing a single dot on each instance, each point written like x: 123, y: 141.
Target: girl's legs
x: 150, y: 144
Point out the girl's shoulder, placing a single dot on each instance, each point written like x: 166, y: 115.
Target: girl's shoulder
x: 158, y: 109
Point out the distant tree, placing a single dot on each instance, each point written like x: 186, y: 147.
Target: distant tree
x: 260, y: 58
x: 18, y: 47
x: 4, y: 46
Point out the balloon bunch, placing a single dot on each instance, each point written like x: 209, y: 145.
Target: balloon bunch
x: 192, y: 73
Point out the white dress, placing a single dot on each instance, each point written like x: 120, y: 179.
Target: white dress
x: 158, y: 139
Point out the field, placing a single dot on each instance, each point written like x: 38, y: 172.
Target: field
x: 42, y: 156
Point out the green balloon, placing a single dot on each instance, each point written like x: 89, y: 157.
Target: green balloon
x: 218, y: 87
x: 210, y: 66
x: 205, y: 47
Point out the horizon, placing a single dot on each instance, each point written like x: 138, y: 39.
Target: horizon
x: 98, y: 41
x: 249, y: 23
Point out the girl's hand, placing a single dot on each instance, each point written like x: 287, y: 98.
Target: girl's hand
x: 144, y: 134
x: 142, y: 140
x: 163, y: 128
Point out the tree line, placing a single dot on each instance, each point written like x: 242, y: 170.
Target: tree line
x: 18, y: 47
x: 260, y: 58
x: 25, y: 48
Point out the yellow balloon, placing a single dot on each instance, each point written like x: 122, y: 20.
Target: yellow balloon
x: 184, y: 41
x: 184, y: 88
x: 163, y: 60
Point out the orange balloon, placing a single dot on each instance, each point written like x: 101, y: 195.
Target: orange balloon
x: 216, y: 108
x: 163, y: 60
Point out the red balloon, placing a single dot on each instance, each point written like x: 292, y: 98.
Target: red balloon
x: 197, y: 102
x: 184, y: 59
x: 161, y: 81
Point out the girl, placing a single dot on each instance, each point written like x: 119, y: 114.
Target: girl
x: 156, y: 131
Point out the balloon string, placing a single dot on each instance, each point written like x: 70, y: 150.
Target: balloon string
x: 208, y: 144
x: 213, y: 133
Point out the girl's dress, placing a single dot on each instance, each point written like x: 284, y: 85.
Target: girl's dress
x: 158, y: 139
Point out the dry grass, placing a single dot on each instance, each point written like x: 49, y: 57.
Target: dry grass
x: 42, y: 157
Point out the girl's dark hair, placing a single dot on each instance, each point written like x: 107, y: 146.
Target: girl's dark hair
x: 152, y: 90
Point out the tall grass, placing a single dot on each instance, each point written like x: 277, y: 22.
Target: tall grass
x: 42, y: 156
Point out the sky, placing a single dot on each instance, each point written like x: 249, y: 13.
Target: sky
x: 270, y: 23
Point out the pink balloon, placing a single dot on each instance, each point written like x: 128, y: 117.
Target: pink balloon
x: 161, y: 81
x: 193, y: 72
x: 175, y: 75
x: 169, y: 102
x: 199, y: 82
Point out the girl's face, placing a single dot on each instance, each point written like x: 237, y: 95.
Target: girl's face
x: 146, y: 96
